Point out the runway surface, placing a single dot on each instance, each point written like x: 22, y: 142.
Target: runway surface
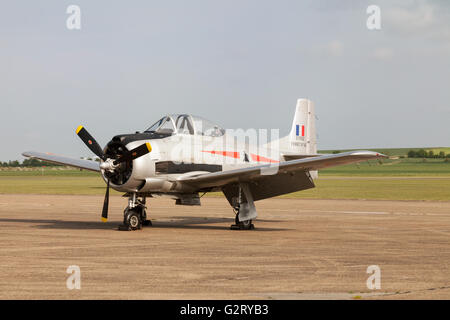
x: 300, y: 249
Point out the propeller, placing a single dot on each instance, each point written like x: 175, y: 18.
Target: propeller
x: 106, y: 204
x: 90, y: 142
x: 135, y: 153
x: 108, y: 164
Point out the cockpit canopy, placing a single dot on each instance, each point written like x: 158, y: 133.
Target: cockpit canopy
x: 186, y: 124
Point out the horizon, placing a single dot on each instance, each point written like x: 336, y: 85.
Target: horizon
x: 242, y: 63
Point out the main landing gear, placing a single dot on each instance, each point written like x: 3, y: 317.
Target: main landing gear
x: 244, y: 208
x: 135, y: 215
x: 241, y: 225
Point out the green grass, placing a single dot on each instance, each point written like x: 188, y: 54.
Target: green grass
x: 375, y: 188
x: 83, y: 185
x: 401, y: 179
x: 47, y: 172
x: 393, y: 151
x: 401, y: 167
x: 378, y: 188
x: 327, y: 187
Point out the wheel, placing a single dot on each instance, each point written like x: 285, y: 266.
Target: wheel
x: 133, y: 220
x: 246, y: 225
x: 242, y: 225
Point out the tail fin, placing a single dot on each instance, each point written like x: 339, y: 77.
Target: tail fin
x: 301, y: 141
x: 302, y: 138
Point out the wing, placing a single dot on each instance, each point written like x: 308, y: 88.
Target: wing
x: 295, y: 156
x: 78, y: 163
x: 271, y: 180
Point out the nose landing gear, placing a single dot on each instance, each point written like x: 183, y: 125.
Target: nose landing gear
x: 135, y: 215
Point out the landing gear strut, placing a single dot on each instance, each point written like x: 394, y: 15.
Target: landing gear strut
x: 135, y: 215
x: 244, y: 209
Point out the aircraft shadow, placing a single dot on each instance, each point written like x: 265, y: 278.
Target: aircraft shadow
x: 204, y: 223
x: 60, y: 224
x: 176, y: 223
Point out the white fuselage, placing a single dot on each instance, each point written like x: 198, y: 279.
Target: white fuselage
x: 190, y: 153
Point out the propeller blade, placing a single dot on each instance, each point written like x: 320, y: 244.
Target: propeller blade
x: 90, y: 142
x: 137, y: 152
x: 106, y: 204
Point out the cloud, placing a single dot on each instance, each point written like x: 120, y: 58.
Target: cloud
x: 412, y: 19
x: 383, y: 53
x: 425, y: 18
x: 335, y: 48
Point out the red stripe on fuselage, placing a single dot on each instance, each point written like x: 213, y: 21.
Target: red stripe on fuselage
x: 232, y: 154
x: 259, y: 158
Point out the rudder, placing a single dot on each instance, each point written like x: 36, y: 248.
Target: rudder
x: 302, y: 138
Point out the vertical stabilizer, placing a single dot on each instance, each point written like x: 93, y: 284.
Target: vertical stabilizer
x: 302, y: 138
x: 301, y: 141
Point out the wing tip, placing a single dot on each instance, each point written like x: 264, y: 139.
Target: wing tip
x: 368, y: 153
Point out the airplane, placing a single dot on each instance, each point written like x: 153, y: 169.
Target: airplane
x: 182, y: 156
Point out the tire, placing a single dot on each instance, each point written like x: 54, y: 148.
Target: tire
x: 133, y: 220
x: 243, y: 225
x: 246, y: 224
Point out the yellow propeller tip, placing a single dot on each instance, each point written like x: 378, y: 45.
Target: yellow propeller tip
x: 104, y: 219
x: 79, y: 129
x: 149, y: 147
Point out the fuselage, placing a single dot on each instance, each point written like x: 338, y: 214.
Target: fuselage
x: 178, y: 154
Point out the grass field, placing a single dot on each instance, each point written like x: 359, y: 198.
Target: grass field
x: 48, y: 172
x: 327, y: 187
x: 407, y: 167
x: 85, y: 185
x: 395, y: 151
x: 378, y: 188
x: 402, y: 179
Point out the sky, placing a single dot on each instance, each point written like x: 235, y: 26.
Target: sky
x: 241, y: 63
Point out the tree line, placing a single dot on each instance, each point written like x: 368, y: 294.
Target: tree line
x: 422, y: 153
x: 34, y: 163
x: 28, y: 163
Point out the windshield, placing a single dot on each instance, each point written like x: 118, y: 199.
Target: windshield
x: 155, y: 125
x: 163, y: 125
x: 186, y: 124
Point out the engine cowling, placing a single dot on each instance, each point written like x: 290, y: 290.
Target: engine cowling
x: 128, y: 176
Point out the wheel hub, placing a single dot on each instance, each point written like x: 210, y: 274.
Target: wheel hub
x: 134, y: 221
